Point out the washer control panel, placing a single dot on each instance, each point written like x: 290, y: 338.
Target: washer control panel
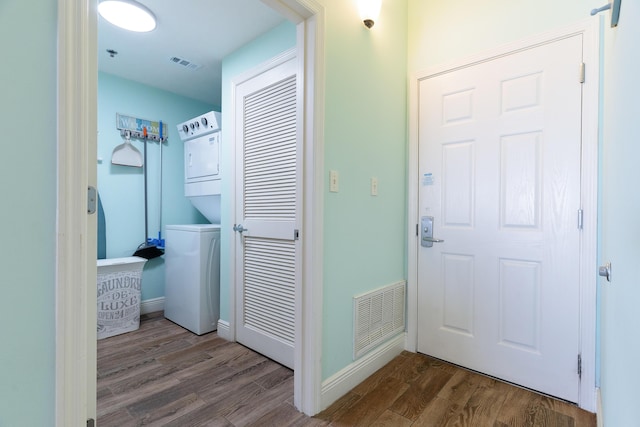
x: 201, y: 125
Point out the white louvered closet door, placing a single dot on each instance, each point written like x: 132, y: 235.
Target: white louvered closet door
x: 267, y: 207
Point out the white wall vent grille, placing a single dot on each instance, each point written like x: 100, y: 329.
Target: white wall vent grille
x: 378, y: 316
x: 189, y: 65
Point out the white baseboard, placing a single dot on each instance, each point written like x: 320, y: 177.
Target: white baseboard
x: 339, y: 384
x: 152, y: 305
x: 599, y: 419
x: 224, y: 330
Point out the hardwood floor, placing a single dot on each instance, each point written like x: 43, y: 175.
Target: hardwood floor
x: 163, y: 375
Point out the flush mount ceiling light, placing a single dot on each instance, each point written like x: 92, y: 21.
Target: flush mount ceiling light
x: 369, y: 11
x: 127, y: 14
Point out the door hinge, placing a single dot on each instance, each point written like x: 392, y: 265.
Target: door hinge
x: 296, y: 234
x: 582, y: 71
x: 580, y: 219
x: 92, y: 200
x: 417, y: 230
x: 91, y: 422
x: 580, y: 366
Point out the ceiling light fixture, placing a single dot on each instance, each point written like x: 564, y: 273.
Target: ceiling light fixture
x: 128, y: 14
x: 369, y: 11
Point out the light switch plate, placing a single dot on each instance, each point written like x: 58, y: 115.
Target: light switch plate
x: 374, y: 186
x: 333, y: 181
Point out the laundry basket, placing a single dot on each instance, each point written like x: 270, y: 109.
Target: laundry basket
x: 119, y: 283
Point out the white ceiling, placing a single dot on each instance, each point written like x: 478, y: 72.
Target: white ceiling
x: 200, y: 31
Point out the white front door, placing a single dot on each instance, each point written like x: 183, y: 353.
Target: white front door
x: 499, y: 157
x: 267, y: 211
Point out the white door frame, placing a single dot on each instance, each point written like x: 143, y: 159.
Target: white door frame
x: 590, y: 30
x: 75, y: 267
x: 309, y: 19
x: 76, y: 234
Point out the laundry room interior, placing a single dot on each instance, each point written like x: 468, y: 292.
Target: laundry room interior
x: 147, y: 83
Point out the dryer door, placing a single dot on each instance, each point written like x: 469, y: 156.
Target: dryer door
x: 202, y: 158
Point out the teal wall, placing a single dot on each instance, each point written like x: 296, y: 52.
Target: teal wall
x: 122, y: 187
x: 365, y: 136
x: 28, y: 214
x: 254, y: 53
x: 620, y: 340
x: 442, y: 31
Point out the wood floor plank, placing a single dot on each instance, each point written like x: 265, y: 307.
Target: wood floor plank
x: 461, y: 386
x: 438, y: 413
x: 365, y: 411
x: 519, y: 408
x: 414, y: 365
x: 310, y: 422
x: 485, y: 403
x: 215, y: 410
x: 135, y: 382
x: 253, y: 409
x: 163, y: 375
x: 125, y: 361
x: 420, y: 392
x: 204, y: 416
x: 119, y: 418
x: 380, y: 375
x: 172, y: 411
x: 154, y: 400
x: 164, y: 345
x: 201, y: 348
x: 217, y: 422
x: 339, y: 407
x: 146, y: 333
x: 283, y: 415
x: 224, y: 385
x: 546, y: 417
x: 115, y: 377
x: 246, y: 358
x: 581, y: 417
x: 117, y: 401
x: 390, y: 418
x: 275, y: 377
x: 217, y: 360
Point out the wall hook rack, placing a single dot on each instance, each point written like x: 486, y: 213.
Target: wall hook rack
x: 156, y: 131
x: 614, y: 6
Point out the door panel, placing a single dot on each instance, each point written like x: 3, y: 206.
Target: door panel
x: 268, y: 208
x: 499, y: 147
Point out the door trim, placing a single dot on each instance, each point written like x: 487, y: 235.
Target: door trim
x: 77, y: 134
x: 590, y: 30
x: 308, y: 15
x: 76, y: 234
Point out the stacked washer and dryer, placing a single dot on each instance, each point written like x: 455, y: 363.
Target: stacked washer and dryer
x: 192, y: 251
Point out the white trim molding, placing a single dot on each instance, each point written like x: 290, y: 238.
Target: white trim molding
x: 590, y: 30
x: 152, y: 305
x: 75, y: 337
x: 224, y: 330
x: 309, y: 16
x: 599, y: 414
x: 77, y: 116
x: 340, y: 383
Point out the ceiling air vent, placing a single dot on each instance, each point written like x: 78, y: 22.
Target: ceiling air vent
x: 184, y: 63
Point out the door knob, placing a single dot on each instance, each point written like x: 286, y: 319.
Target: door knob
x: 426, y: 234
x: 239, y: 228
x: 605, y: 271
x: 432, y: 240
